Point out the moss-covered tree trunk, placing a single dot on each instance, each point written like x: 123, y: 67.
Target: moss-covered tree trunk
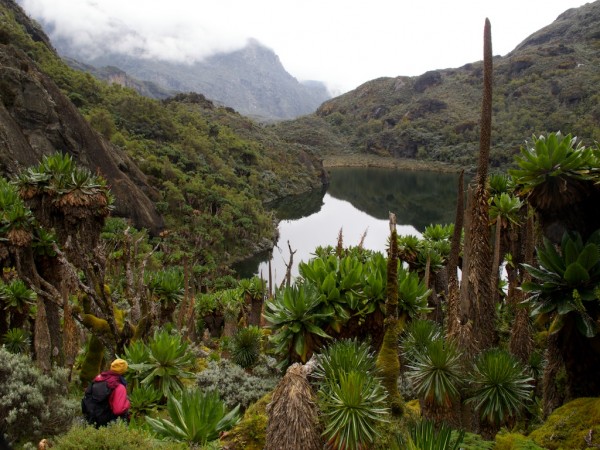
x: 388, y: 361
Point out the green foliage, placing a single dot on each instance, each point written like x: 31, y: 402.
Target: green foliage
x: 350, y: 395
x: 16, y: 296
x: 438, y: 232
x: 197, y: 417
x: 426, y: 435
x: 250, y: 432
x: 500, y: 387
x: 575, y: 425
x: 246, y: 345
x: 213, y: 168
x: 115, y: 436
x: 566, y: 282
x: 499, y: 183
x: 436, y: 373
x: 295, y: 315
x: 417, y: 335
x: 412, y: 293
x: 551, y: 160
x: 351, y: 406
x: 343, y: 356
x: 144, y: 399
x: 506, y: 207
x: 14, y: 214
x: 514, y: 441
x: 166, y: 285
x: 16, y: 340
x: 66, y: 184
x: 33, y: 405
x: 475, y: 442
x: 239, y: 386
x: 169, y: 361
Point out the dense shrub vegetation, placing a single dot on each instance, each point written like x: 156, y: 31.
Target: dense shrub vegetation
x: 319, y: 361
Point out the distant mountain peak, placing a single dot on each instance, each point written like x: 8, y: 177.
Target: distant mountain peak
x: 252, y: 80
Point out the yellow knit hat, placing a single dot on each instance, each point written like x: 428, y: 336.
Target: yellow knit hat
x: 119, y: 366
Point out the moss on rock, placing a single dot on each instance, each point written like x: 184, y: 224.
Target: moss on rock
x: 573, y: 426
x: 515, y: 441
x: 250, y: 432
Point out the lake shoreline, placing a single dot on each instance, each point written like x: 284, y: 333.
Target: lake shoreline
x: 388, y: 163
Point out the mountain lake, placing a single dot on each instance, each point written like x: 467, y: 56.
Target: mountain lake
x: 357, y: 202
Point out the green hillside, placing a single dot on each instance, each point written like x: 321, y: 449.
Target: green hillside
x: 213, y: 169
x: 548, y: 83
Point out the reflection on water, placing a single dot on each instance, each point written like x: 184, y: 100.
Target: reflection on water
x: 417, y: 198
x: 358, y: 200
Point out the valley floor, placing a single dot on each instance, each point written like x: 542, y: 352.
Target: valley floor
x: 387, y: 162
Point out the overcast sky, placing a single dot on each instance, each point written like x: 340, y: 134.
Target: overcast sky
x: 343, y: 43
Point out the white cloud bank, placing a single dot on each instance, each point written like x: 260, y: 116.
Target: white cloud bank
x: 341, y: 42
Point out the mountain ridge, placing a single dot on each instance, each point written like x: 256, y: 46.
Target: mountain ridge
x: 547, y: 83
x: 252, y: 80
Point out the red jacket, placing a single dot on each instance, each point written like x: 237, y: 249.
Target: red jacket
x: 118, y: 401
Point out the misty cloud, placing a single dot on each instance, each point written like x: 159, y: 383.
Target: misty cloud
x: 148, y: 29
x: 342, y: 43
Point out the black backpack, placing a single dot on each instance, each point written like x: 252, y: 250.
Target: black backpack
x: 95, y: 406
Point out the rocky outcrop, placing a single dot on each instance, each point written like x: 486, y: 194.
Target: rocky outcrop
x: 251, y: 80
x: 37, y: 119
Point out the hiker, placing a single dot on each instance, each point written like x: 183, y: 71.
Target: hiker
x: 105, y: 398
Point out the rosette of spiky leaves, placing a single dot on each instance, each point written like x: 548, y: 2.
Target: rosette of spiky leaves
x: 499, y: 183
x: 245, y: 346
x: 16, y: 219
x: 17, y: 297
x: 436, y: 373
x: 30, y: 182
x: 169, y: 362
x: 438, y: 232
x: 344, y: 356
x: 374, y: 280
x: 196, y: 417
x: 80, y: 189
x: 500, y: 386
x: 43, y: 242
x: 412, y: 293
x: 338, y: 281
x: 566, y: 282
x: 8, y: 197
x: 417, y: 335
x: 408, y: 248
x: 504, y: 208
x: 16, y: 340
x: 137, y: 355
x: 53, y: 174
x: 427, y: 435
x: 553, y: 171
x: 255, y: 287
x: 166, y: 285
x: 432, y: 254
x: 144, y: 400
x: 230, y: 302
x: 352, y: 405
x: 295, y: 315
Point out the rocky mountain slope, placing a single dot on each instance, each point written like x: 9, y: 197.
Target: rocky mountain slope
x: 550, y: 82
x: 207, y: 170
x: 251, y: 80
x: 37, y: 119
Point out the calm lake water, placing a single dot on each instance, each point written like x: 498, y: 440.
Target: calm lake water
x: 357, y: 201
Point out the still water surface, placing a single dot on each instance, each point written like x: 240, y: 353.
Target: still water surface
x: 357, y: 201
